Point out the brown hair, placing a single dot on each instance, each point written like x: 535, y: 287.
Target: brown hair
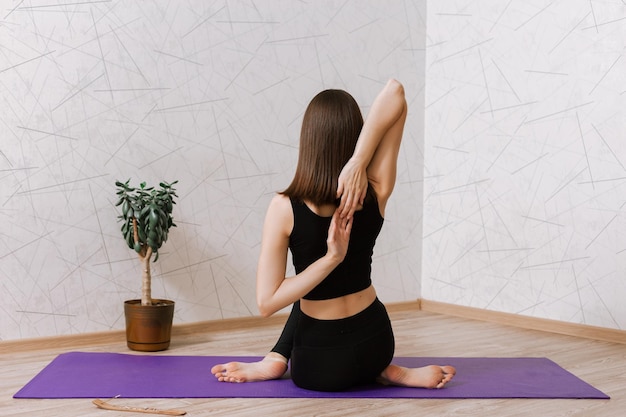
x: 331, y: 126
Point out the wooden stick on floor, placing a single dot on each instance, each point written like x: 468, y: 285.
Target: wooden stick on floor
x: 148, y: 410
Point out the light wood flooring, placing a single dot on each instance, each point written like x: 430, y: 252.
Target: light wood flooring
x: 418, y: 333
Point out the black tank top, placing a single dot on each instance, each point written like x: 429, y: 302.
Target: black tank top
x: 307, y: 243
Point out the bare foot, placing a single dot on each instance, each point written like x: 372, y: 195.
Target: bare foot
x: 431, y: 376
x: 273, y: 366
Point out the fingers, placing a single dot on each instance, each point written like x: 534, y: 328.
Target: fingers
x: 351, y: 187
x: 349, y: 204
x: 343, y: 203
x: 352, y: 195
x: 343, y: 224
x: 348, y: 225
x: 339, y: 189
x: 339, y: 236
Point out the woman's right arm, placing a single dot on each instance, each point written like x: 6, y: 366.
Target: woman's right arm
x: 376, y: 154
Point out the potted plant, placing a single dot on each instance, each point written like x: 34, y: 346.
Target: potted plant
x: 146, y: 219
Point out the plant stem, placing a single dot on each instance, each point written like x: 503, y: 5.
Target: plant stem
x: 135, y: 231
x: 144, y: 255
x: 146, y: 290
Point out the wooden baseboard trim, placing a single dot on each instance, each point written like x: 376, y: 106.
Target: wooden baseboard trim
x: 526, y: 322
x: 74, y: 341
x: 118, y: 336
x: 77, y: 341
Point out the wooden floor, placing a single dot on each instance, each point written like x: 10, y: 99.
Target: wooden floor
x: 418, y: 333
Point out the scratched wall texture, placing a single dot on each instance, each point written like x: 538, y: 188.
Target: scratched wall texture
x: 525, y: 158
x: 210, y: 93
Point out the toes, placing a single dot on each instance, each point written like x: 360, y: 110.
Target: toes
x: 220, y: 373
x: 227, y: 377
x: 448, y: 370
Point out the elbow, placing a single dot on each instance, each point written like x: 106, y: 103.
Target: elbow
x: 265, y: 313
x: 395, y: 87
x: 264, y: 309
x: 394, y: 91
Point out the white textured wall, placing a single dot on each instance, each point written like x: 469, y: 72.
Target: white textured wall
x: 207, y: 92
x: 525, y: 158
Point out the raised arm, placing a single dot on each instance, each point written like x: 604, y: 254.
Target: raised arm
x: 276, y: 291
x: 376, y: 154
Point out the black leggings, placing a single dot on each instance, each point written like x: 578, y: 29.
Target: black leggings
x: 334, y: 355
x: 285, y: 341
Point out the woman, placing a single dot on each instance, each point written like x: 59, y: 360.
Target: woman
x: 338, y: 334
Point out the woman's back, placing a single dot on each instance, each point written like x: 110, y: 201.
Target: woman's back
x: 307, y: 243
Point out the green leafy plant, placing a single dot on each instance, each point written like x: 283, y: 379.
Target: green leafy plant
x: 146, y: 220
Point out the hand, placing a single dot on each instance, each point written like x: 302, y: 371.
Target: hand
x: 338, y: 236
x: 352, y: 187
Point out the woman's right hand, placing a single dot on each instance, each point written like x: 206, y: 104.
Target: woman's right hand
x: 351, y: 187
x: 338, y: 237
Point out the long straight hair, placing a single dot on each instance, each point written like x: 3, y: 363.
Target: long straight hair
x: 331, y: 126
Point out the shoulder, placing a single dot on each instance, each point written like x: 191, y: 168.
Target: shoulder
x: 279, y: 214
x: 280, y: 203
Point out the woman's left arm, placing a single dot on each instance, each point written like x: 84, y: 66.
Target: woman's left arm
x: 276, y: 291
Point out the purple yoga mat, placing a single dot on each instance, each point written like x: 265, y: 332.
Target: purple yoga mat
x: 106, y: 375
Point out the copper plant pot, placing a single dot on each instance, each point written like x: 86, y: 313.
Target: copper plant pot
x: 148, y: 328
